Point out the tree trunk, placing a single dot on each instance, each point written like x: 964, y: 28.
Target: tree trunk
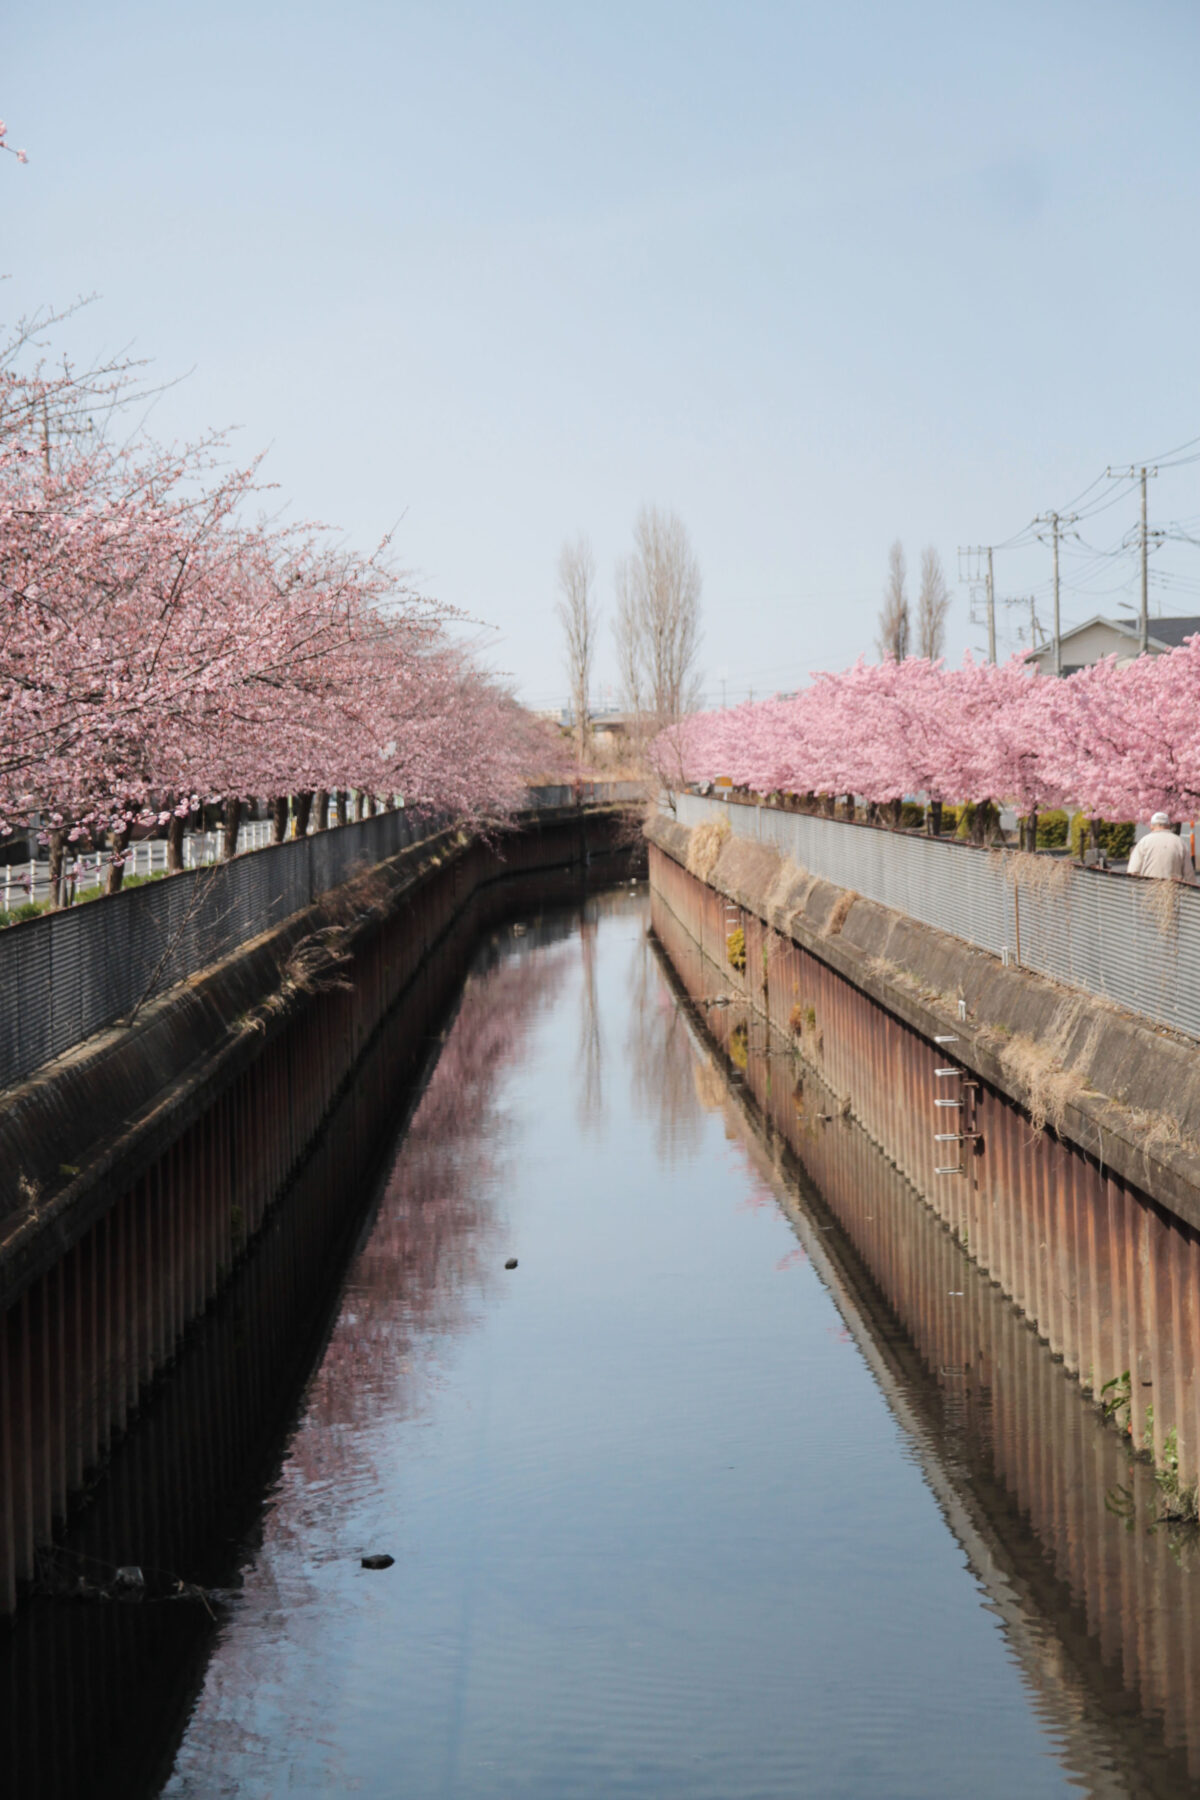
x: 983, y: 822
x: 342, y: 814
x: 895, y: 813
x: 360, y: 805
x: 850, y: 809
x: 175, y: 829
x: 233, y: 818
x: 58, y: 852
x: 389, y: 804
x: 371, y: 807
x: 829, y: 805
x: 322, y: 823
x: 933, y: 818
x: 279, y: 818
x: 116, y: 868
x: 302, y: 807
x: 1094, y: 842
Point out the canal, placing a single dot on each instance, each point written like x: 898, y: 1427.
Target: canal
x: 684, y: 1503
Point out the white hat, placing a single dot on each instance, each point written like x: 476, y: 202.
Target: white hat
x: 1160, y: 818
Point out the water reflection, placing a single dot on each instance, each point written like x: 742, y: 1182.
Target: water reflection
x: 656, y: 1532
x: 591, y: 1030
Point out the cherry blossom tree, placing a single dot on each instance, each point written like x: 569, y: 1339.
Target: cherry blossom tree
x: 162, y: 644
x: 1120, y: 742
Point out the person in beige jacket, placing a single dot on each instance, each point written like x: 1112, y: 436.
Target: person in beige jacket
x: 1160, y: 853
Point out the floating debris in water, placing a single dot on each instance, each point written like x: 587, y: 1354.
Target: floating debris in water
x: 511, y: 1263
x: 380, y: 1561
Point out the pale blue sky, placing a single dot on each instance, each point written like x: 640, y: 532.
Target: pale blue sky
x: 813, y: 276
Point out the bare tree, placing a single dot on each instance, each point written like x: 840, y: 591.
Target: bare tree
x: 658, y: 620
x: 894, y: 628
x: 933, y: 603
x: 579, y: 614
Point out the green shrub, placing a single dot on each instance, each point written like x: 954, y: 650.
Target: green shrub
x: 912, y: 815
x: 1052, y: 830
x: 32, y: 909
x: 966, y: 819
x: 1116, y: 838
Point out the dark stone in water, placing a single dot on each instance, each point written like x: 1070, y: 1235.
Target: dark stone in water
x: 378, y: 1562
x: 511, y: 1263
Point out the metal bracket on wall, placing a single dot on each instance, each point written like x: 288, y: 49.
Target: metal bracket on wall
x: 963, y: 1102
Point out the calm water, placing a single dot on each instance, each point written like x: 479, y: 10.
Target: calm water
x: 660, y: 1527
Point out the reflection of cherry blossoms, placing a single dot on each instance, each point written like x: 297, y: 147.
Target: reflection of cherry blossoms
x: 433, y: 1245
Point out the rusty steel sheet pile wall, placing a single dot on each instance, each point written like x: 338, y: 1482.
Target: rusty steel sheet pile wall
x: 1108, y: 1278
x: 185, y: 1484
x: 96, y: 1306
x: 1112, y: 1595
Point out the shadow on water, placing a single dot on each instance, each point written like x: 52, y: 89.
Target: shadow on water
x: 96, y: 1690
x: 1098, y: 1595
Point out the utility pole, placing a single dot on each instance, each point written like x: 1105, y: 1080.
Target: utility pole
x: 1056, y: 521
x: 1144, y: 615
x: 1036, y: 634
x: 1142, y: 474
x: 974, y: 553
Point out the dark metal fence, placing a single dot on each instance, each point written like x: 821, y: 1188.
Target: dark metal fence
x: 68, y: 974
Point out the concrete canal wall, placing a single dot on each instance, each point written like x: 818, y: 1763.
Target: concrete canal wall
x: 135, y: 1170
x: 1069, y: 1160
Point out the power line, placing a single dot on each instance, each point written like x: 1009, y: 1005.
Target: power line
x: 978, y: 552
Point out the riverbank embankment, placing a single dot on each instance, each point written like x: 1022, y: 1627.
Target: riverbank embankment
x: 1057, y: 1136
x: 135, y: 1169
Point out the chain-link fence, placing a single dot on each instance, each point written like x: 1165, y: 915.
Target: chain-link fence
x: 67, y: 974
x: 1134, y: 942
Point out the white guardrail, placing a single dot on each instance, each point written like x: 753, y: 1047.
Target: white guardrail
x: 25, y: 881
x: 1132, y: 941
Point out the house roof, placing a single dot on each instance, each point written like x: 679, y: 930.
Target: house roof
x: 1173, y: 631
x: 1166, y: 633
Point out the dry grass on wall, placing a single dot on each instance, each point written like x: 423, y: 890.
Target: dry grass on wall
x: 840, y: 913
x: 1049, y: 875
x: 1039, y: 1071
x: 791, y: 884
x: 705, y: 846
x: 1161, y: 900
